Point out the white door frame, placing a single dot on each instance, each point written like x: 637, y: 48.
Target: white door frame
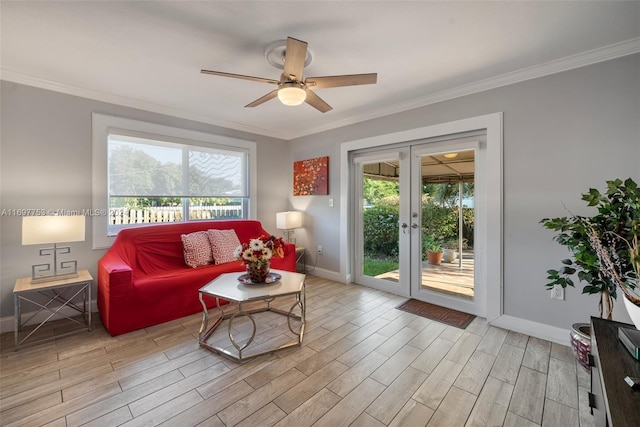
x: 492, y: 206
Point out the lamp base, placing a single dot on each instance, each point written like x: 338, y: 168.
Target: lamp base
x: 64, y: 270
x: 287, y: 236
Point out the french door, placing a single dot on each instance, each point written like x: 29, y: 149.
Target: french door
x: 382, y: 241
x: 415, y: 197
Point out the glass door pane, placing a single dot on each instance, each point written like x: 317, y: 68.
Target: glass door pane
x: 444, y: 200
x: 448, y: 224
x: 382, y: 242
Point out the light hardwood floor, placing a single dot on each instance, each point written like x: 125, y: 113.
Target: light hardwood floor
x: 363, y: 363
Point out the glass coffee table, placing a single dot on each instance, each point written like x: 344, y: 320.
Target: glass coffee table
x: 228, y: 287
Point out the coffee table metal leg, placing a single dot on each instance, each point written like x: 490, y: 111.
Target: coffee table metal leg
x: 295, y: 316
x: 301, y: 302
x: 205, y: 317
x: 206, y: 331
x: 238, y: 347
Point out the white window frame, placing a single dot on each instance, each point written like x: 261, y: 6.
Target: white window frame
x: 103, y: 125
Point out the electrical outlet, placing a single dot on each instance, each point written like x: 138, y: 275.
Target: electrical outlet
x: 319, y: 250
x: 557, y: 292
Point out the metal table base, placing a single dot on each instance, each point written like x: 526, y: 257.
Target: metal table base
x: 62, y: 292
x: 242, y: 352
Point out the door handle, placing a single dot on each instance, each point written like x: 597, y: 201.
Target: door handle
x: 404, y: 227
x: 414, y: 225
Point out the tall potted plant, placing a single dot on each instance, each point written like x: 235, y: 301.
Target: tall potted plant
x: 605, y: 253
x: 602, y: 245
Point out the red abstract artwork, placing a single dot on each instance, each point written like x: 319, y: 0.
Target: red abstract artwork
x: 311, y: 177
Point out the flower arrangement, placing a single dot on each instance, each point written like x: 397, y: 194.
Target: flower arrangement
x: 260, y: 250
x: 256, y: 255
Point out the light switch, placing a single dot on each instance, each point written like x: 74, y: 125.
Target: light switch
x: 330, y: 203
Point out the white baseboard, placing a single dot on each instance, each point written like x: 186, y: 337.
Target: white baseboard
x: 7, y: 322
x: 534, y: 329
x: 325, y: 274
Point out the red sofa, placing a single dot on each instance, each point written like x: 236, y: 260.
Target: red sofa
x: 143, y: 279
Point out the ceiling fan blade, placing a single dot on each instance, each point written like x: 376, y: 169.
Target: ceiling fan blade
x: 316, y: 102
x: 345, y: 80
x: 295, y: 55
x: 240, y: 76
x: 263, y: 99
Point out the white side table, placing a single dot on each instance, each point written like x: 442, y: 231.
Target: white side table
x: 62, y: 291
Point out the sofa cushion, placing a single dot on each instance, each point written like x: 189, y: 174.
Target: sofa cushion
x: 223, y: 243
x: 197, y: 249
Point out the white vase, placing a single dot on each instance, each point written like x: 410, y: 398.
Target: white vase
x: 449, y: 255
x: 633, y: 310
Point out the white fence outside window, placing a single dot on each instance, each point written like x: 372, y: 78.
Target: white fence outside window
x: 151, y: 215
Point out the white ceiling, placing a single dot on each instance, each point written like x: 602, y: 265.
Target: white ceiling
x: 149, y: 54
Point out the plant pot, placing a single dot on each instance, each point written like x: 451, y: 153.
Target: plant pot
x: 434, y: 258
x: 633, y: 310
x: 581, y: 343
x: 449, y: 255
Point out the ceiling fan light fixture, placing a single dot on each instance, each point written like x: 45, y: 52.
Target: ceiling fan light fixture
x: 292, y: 95
x: 293, y: 89
x: 451, y: 155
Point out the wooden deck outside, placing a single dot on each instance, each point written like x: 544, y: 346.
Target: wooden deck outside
x: 446, y: 277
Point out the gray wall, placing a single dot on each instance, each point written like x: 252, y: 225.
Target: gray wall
x: 563, y: 134
x: 46, y: 164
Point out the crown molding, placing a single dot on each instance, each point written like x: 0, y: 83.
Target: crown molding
x: 606, y: 53
x: 16, y: 77
x: 617, y: 50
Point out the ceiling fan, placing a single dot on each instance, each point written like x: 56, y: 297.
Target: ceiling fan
x: 292, y: 88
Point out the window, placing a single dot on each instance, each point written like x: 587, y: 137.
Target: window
x: 153, y: 181
x: 148, y: 174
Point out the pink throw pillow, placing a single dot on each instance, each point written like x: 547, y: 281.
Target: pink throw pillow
x: 223, y: 243
x: 197, y: 249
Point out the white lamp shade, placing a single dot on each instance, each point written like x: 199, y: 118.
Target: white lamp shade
x: 52, y: 229
x: 292, y: 95
x: 288, y: 220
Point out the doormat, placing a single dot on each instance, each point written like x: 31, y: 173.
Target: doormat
x: 441, y: 314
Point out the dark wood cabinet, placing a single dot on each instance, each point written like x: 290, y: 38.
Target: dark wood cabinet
x: 614, y: 403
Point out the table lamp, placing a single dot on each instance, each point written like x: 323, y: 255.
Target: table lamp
x: 288, y: 221
x: 53, y: 229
